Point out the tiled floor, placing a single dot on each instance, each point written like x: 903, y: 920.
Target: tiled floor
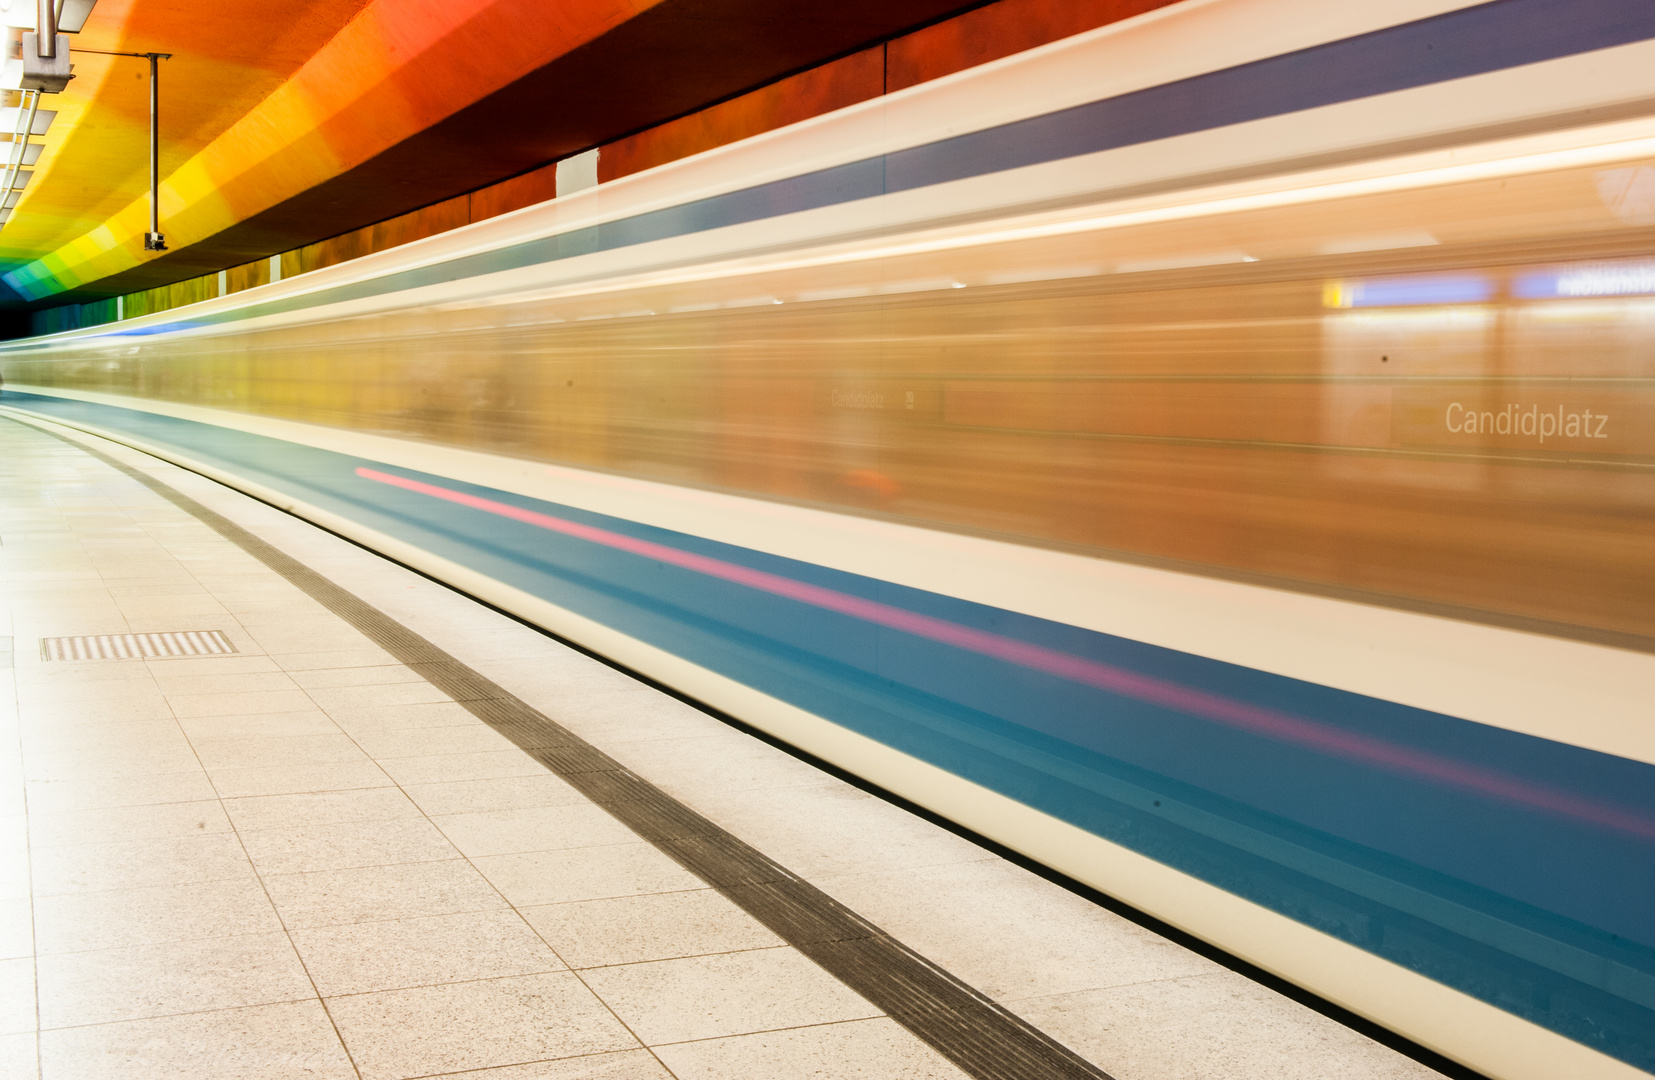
x: 303, y: 861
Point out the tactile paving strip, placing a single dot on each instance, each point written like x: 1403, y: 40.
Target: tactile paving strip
x: 136, y: 646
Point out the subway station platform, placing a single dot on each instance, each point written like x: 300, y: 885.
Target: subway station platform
x: 397, y: 834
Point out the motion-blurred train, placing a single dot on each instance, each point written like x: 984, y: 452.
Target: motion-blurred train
x: 1213, y: 455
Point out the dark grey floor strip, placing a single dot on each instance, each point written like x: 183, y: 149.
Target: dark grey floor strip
x: 978, y: 1035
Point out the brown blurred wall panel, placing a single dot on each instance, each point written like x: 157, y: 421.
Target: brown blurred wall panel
x: 999, y: 30
x: 820, y: 90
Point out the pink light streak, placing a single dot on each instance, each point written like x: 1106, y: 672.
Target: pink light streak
x: 1256, y: 720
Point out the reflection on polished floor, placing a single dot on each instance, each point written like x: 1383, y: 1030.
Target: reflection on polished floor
x: 303, y: 859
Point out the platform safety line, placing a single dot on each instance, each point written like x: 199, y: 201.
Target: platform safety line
x: 983, y: 1038
x: 1257, y: 720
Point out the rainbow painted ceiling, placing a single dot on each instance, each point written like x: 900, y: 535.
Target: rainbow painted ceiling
x: 288, y: 121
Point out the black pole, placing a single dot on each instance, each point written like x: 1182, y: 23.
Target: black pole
x: 153, y: 240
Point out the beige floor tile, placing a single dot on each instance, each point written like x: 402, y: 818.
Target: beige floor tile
x: 707, y: 997
x: 17, y: 995
x: 555, y: 877
x: 138, y: 707
x: 240, y: 703
x: 504, y: 793
x: 658, y: 926
x: 320, y: 808
x: 274, y: 751
x: 264, y: 1042
x: 538, y: 828
x: 482, y: 766
x: 18, y: 1058
x: 181, y: 684
x: 298, y: 779
x: 474, y: 1025
x: 473, y: 738
x: 137, y: 736
x: 176, y: 977
x: 409, y: 890
x: 1218, y: 1027
x: 434, y: 714
x: 257, y: 726
x: 366, y: 957
x: 158, y: 821
x: 32, y: 671
x: 135, y: 864
x: 375, y: 675
x: 172, y: 666
x: 61, y: 691
x: 109, y: 764
x: 378, y: 695
x: 62, y: 796
x: 615, y: 1065
x: 358, y: 654
x: 120, y: 918
x: 16, y: 928
x: 345, y: 845
x: 877, y: 1049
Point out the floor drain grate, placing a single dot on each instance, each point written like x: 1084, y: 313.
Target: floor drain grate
x: 136, y: 646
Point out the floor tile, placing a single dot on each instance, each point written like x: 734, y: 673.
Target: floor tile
x: 193, y: 684
x: 473, y: 738
x: 62, y: 796
x: 344, y: 845
x: 500, y: 793
x: 615, y: 1065
x: 377, y: 695
x: 98, y: 712
x: 877, y: 1049
x: 364, y: 957
x: 237, y: 704
x: 109, y: 764
x: 131, y: 864
x: 255, y: 726
x: 296, y: 779
x: 18, y: 1058
x: 177, y: 977
x: 16, y: 928
x: 538, y: 828
x: 138, y: 736
x: 433, y: 714
x: 474, y: 1025
x: 334, y: 897
x: 483, y: 766
x: 706, y: 997
x: 555, y: 877
x: 358, y: 654
x: 123, y: 917
x: 17, y: 995
x: 170, y: 666
x: 265, y: 1042
x: 658, y: 926
x: 320, y: 808
x: 275, y: 751
x: 104, y: 824
x: 375, y: 675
